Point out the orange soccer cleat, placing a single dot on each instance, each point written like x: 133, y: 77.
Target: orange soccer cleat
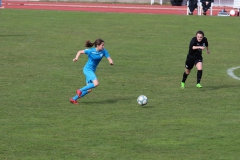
x: 73, y: 101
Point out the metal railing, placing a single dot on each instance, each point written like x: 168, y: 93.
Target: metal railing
x: 160, y: 2
x: 224, y: 3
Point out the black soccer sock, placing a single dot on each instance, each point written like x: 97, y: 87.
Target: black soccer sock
x: 199, y: 76
x: 184, y: 77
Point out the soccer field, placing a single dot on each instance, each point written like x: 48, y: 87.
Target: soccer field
x: 38, y: 78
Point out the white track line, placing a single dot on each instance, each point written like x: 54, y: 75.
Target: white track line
x: 230, y: 72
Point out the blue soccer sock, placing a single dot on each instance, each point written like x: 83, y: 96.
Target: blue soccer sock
x: 82, y: 95
x: 84, y: 90
x: 75, y: 97
x: 87, y: 87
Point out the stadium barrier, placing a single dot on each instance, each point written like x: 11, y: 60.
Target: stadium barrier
x: 236, y: 4
x: 227, y: 3
x: 161, y: 2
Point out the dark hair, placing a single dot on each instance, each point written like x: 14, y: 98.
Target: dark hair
x: 97, y: 42
x: 200, y: 32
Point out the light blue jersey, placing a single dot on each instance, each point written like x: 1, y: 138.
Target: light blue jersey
x: 94, y: 57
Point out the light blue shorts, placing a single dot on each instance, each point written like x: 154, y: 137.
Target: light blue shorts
x: 90, y: 76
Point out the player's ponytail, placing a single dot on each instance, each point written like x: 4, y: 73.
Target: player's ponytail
x: 96, y: 43
x: 89, y: 43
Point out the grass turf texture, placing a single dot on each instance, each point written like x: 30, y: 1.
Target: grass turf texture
x: 38, y: 77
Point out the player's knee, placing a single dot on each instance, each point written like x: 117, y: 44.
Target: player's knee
x: 96, y: 83
x: 187, y: 71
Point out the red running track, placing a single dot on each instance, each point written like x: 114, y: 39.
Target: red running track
x: 102, y: 7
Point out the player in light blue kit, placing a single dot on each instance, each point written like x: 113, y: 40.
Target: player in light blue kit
x: 95, y: 55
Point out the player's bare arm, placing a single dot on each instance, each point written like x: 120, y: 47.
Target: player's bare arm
x: 78, y: 54
x: 198, y: 47
x: 208, y: 51
x: 110, y: 61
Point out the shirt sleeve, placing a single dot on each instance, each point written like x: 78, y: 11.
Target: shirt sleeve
x: 106, y: 54
x: 87, y: 51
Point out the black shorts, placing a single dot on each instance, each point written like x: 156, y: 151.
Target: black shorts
x: 191, y: 61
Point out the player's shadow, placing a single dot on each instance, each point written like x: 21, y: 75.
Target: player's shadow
x: 146, y: 106
x: 221, y: 87
x: 127, y: 100
x: 106, y: 101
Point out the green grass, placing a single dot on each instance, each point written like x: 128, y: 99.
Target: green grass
x: 37, y: 78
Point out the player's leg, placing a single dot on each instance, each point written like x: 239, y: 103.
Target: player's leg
x: 188, y: 66
x: 192, y: 6
x: 86, y: 91
x: 185, y: 75
x: 92, y: 82
x: 76, y: 97
x: 208, y: 5
x: 199, y: 66
x: 88, y: 88
x: 81, y: 94
x: 204, y: 7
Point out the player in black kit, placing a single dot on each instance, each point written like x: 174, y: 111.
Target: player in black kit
x: 194, y: 57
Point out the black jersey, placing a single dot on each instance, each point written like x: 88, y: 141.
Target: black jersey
x: 197, y: 52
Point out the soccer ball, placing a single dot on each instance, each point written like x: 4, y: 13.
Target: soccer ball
x: 142, y: 100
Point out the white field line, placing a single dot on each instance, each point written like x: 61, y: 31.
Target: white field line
x: 230, y: 72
